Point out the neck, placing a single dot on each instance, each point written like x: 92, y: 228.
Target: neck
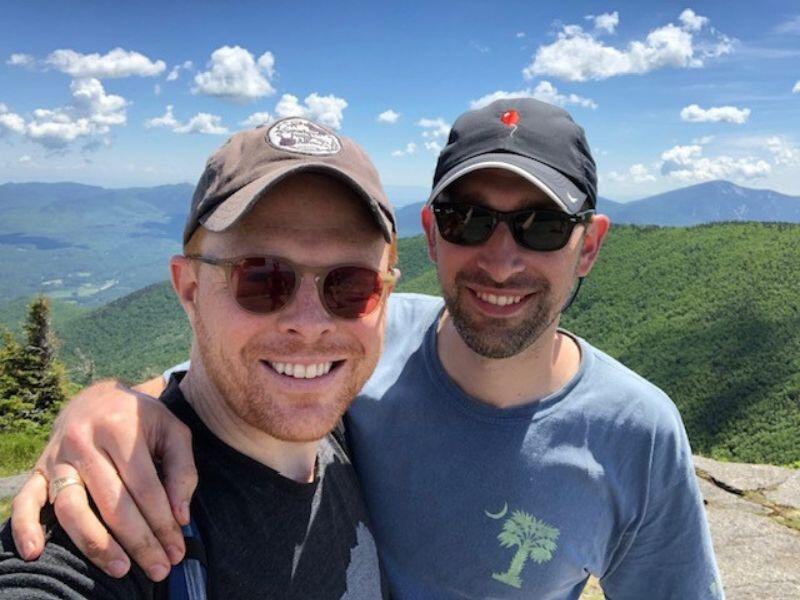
x: 538, y: 371
x: 294, y: 460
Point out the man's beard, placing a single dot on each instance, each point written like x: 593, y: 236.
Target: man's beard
x: 240, y: 382
x: 497, y: 337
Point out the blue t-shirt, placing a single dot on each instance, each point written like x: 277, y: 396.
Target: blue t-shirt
x: 471, y: 501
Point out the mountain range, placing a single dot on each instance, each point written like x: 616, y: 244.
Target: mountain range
x: 89, y: 245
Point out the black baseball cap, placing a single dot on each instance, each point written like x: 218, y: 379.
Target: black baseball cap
x: 251, y: 162
x: 533, y: 139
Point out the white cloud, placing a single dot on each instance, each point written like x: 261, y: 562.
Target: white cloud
x: 783, y: 151
x: 433, y: 146
x: 200, y: 123
x: 411, y: 148
x: 203, y: 123
x: 520, y: 35
x: 21, y: 60
x: 790, y: 26
x: 388, y: 116
x: 176, y: 70
x: 25, y: 159
x: 687, y: 164
x: 796, y: 88
x: 729, y: 114
x: 102, y: 109
x: 234, y: 74
x: 92, y: 112
x: 116, y: 63
x: 607, y: 21
x: 257, y: 119
x: 10, y: 121
x: 327, y: 110
x: 637, y: 173
x: 706, y: 139
x: 577, y: 55
x: 167, y: 120
x: 434, y: 128
x: 692, y: 21
x: 544, y: 91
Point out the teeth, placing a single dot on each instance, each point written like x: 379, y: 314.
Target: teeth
x: 302, y: 371
x: 499, y: 300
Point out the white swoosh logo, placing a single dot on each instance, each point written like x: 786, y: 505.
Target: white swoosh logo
x: 572, y: 198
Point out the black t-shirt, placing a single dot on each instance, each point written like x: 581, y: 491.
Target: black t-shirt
x: 265, y: 536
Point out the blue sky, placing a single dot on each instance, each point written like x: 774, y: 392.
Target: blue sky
x: 670, y: 95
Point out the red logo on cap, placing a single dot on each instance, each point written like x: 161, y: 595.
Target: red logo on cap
x: 510, y: 118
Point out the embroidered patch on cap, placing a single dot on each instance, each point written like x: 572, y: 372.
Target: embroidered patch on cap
x: 303, y: 137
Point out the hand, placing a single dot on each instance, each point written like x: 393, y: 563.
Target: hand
x: 107, y: 436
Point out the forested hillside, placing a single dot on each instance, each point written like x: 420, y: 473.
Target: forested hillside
x: 711, y: 314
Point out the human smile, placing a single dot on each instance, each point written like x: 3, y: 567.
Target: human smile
x: 302, y: 371
x: 499, y: 300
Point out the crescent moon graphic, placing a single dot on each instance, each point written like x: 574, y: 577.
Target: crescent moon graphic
x: 499, y: 515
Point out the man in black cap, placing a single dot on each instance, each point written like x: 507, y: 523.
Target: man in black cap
x: 501, y: 456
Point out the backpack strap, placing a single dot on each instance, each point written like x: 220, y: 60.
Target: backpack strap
x: 188, y: 579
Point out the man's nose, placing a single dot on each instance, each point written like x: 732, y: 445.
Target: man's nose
x: 305, y: 316
x: 500, y: 256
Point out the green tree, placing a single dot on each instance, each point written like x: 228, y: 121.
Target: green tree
x: 533, y: 538
x: 31, y: 379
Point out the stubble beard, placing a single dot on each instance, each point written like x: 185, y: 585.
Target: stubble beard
x: 240, y: 383
x: 494, y: 337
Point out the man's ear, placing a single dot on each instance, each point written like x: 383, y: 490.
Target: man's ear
x: 429, y: 226
x: 183, y: 275
x: 593, y: 237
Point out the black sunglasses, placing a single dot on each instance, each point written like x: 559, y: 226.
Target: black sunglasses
x: 472, y: 224
x: 266, y: 284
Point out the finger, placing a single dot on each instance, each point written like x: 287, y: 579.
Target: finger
x: 25, y: 511
x: 178, y: 468
x: 140, y: 477
x: 77, y: 519
x: 121, y: 515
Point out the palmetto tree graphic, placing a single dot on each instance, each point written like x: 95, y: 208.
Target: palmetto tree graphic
x: 533, y: 539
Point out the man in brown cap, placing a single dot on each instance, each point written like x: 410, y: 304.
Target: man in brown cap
x: 288, y: 260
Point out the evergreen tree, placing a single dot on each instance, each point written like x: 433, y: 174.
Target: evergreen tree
x: 31, y: 379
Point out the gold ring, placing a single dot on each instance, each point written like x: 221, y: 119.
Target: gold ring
x: 59, y: 484
x: 40, y: 471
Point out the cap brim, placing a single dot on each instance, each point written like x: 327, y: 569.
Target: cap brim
x: 557, y: 187
x: 242, y: 201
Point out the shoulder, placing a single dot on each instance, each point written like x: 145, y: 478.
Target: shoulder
x: 61, y: 572
x: 410, y: 315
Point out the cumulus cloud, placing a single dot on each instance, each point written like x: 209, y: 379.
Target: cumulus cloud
x: 796, y: 88
x: 24, y: 159
x: 434, y: 128
x: 520, y: 35
x: 433, y: 146
x: 116, y: 63
x: 411, y: 148
x: 200, y: 123
x: 257, y: 119
x: 606, y: 22
x: 10, y: 122
x: 729, y: 114
x: 783, y: 151
x: 167, y: 120
x: 692, y: 21
x: 637, y: 173
x: 21, y: 60
x: 687, y: 164
x: 203, y: 123
x: 234, y: 74
x: 328, y: 110
x: 92, y: 112
x: 388, y: 116
x: 577, y: 55
x: 176, y: 70
x: 544, y: 91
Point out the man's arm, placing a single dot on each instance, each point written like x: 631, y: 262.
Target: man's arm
x: 108, y: 435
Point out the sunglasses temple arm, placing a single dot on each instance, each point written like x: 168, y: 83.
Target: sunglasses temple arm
x: 574, y: 295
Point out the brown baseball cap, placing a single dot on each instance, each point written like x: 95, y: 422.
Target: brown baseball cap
x: 253, y: 161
